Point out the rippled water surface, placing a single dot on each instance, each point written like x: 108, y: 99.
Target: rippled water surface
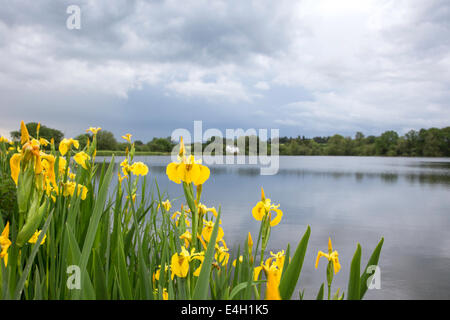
x: 351, y: 199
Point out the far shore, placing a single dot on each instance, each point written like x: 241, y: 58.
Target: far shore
x: 108, y: 153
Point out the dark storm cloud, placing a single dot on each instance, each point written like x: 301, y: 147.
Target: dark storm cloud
x: 306, y: 67
x: 195, y: 32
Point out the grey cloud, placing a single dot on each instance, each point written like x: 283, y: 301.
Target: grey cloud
x: 357, y: 66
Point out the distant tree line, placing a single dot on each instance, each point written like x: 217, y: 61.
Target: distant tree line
x: 431, y: 142
x: 107, y: 141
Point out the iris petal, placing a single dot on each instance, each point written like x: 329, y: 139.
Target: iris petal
x: 277, y: 219
x: 172, y: 172
x: 258, y: 211
x: 203, y: 175
x: 14, y: 164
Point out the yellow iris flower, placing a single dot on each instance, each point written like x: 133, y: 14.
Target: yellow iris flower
x: 187, y: 169
x: 265, y: 208
x: 69, y: 190
x: 208, y: 227
x: 65, y: 145
x: 48, y: 163
x: 127, y: 137
x: 5, y: 243
x: 62, y: 163
x: 250, y: 242
x: 187, y: 237
x: 43, y: 142
x: 139, y: 169
x: 176, y: 215
x: 157, y: 273
x: 35, y: 237
x: 166, y: 205
x: 241, y: 258
x: 180, y: 263
x: 126, y: 168
x: 30, y: 151
x: 197, y: 256
x: 49, y: 189
x: 222, y: 255
x: 332, y: 256
x: 81, y: 158
x: 93, y: 130
x: 273, y: 273
x: 133, y: 197
x: 203, y: 209
x: 121, y: 178
x: 278, y: 258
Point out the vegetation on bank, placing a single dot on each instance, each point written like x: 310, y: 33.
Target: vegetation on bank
x: 108, y: 153
x: 69, y: 237
x: 431, y: 142
x: 423, y: 143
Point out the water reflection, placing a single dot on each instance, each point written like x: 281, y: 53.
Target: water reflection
x: 387, y: 177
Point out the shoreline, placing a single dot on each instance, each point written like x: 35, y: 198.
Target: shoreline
x: 105, y: 153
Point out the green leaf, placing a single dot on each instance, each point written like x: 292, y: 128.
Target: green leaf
x: 26, y: 271
x: 354, y: 279
x: 373, y: 261
x: 86, y: 284
x: 99, y: 278
x: 290, y: 276
x: 34, y: 217
x: 201, y: 288
x: 241, y: 286
x: 123, y: 277
x: 287, y: 258
x: 336, y: 295
x: 94, y: 220
x: 320, y: 294
x: 301, y: 294
x: 37, y: 285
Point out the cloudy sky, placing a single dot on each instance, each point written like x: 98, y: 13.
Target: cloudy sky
x: 148, y: 67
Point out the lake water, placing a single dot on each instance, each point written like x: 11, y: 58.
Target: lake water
x: 350, y: 199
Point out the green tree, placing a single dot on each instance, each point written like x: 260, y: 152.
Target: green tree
x: 106, y: 140
x: 434, y: 144
x: 82, y: 139
x: 446, y: 141
x: 8, y: 196
x: 336, y: 145
x: 386, y: 144
x: 160, y: 145
x: 411, y: 143
x: 359, y: 136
